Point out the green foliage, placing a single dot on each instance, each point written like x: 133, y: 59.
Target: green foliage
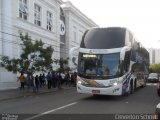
x: 33, y: 58
x: 154, y: 68
x: 63, y: 63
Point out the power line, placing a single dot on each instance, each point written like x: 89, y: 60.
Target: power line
x: 16, y: 44
x: 15, y: 19
x: 9, y: 34
x: 11, y: 42
x: 19, y: 38
x: 22, y: 28
x: 31, y: 39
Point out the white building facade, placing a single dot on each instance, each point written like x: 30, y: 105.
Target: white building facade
x: 154, y: 55
x: 157, y: 56
x: 76, y: 23
x: 39, y: 18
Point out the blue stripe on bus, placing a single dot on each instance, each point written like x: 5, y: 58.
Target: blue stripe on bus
x: 126, y: 80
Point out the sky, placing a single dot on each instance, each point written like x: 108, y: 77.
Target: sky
x: 141, y: 17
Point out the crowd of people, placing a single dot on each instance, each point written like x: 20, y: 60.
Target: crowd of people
x: 51, y: 80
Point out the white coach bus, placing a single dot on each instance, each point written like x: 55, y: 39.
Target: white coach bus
x: 111, y: 62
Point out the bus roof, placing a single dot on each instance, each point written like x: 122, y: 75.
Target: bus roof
x: 104, y: 38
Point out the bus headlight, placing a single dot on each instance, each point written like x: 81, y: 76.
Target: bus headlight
x: 114, y: 83
x: 80, y: 81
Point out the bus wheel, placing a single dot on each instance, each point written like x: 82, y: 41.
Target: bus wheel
x: 129, y: 92
x: 158, y: 92
x: 131, y: 87
x: 135, y: 85
x: 96, y: 95
x: 144, y: 85
x: 126, y: 94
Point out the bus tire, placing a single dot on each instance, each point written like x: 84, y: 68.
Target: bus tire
x: 129, y: 92
x: 135, y: 84
x: 96, y: 95
x: 126, y: 94
x: 131, y: 87
x: 158, y: 92
x: 144, y: 85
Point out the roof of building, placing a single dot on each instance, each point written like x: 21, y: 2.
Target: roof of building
x: 69, y: 6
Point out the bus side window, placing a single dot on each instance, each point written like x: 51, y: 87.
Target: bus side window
x: 127, y: 60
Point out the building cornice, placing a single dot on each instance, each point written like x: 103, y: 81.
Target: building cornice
x: 60, y: 2
x: 52, y: 4
x: 68, y: 6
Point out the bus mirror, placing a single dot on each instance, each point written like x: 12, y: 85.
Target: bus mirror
x: 121, y: 61
x: 136, y: 46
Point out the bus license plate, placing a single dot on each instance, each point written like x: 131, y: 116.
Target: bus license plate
x: 95, y: 91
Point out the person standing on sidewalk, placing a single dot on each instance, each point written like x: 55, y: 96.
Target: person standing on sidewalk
x: 49, y: 80
x: 29, y: 80
x: 36, y: 83
x: 72, y: 79
x: 59, y: 80
x: 67, y: 79
x: 54, y: 79
x: 62, y: 78
x: 22, y: 80
x: 41, y: 80
x: 75, y: 78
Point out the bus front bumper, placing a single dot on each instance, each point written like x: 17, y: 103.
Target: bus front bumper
x: 115, y: 90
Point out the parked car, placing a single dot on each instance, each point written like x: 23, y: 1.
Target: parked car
x: 158, y: 88
x: 153, y: 77
x: 157, y: 112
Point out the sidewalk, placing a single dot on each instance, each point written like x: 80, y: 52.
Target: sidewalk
x: 17, y: 93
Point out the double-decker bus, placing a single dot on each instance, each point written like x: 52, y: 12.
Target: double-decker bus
x: 111, y: 62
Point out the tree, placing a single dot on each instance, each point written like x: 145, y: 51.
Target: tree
x: 34, y: 57
x: 154, y: 68
x: 63, y: 63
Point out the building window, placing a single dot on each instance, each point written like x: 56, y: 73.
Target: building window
x: 37, y: 15
x: 23, y: 9
x: 80, y: 36
x: 49, y: 21
x: 75, y: 36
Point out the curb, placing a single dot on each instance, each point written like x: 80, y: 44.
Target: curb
x: 32, y: 94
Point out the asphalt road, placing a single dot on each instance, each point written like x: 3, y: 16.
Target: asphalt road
x: 69, y: 102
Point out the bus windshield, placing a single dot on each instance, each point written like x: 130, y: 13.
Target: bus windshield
x: 99, y: 66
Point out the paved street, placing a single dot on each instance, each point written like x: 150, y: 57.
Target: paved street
x: 68, y: 101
